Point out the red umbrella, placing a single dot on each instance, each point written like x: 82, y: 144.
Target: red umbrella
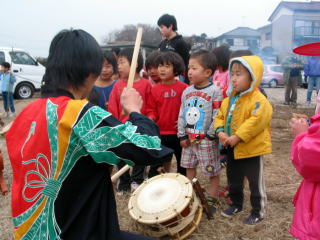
x: 311, y: 49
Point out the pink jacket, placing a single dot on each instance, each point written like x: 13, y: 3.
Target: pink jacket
x: 318, y: 103
x: 305, y: 156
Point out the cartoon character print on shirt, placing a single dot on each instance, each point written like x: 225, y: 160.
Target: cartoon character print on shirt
x: 194, y: 116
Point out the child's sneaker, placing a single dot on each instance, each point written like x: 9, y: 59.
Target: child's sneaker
x: 252, y: 219
x: 12, y: 114
x: 231, y: 211
x: 213, y: 204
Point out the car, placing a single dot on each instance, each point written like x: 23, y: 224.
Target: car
x: 29, y: 72
x: 272, y: 75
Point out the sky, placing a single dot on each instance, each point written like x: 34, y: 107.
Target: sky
x: 32, y: 24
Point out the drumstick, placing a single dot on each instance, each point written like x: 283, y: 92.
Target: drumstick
x: 132, y: 73
x: 115, y: 176
x: 133, y: 65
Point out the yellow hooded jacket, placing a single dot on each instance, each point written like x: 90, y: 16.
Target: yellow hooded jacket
x: 251, y: 116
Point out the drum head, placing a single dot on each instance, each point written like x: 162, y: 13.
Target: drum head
x: 160, y: 198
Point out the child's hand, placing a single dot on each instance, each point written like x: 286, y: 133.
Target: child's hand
x: 232, y: 141
x: 298, y: 125
x: 222, y: 137
x: 185, y: 143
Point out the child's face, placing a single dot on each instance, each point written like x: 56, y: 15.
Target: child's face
x: 4, y: 69
x: 153, y: 74
x: 197, y: 74
x: 123, y: 67
x: 165, y: 31
x: 107, y: 71
x: 166, y: 72
x: 240, y: 77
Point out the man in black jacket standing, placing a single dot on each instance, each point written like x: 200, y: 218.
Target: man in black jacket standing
x: 172, y: 40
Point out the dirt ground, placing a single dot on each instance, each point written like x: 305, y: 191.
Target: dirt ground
x: 281, y: 184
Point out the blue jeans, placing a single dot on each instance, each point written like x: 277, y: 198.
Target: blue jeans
x: 8, y: 98
x: 313, y: 82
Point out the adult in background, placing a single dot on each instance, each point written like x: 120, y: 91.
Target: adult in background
x: 173, y: 41
x: 292, y: 78
x: 312, y: 71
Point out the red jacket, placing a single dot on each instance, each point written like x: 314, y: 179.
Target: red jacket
x: 164, y: 106
x: 143, y: 86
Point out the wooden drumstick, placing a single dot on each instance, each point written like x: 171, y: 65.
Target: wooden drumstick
x: 132, y: 73
x: 115, y: 176
x: 133, y: 66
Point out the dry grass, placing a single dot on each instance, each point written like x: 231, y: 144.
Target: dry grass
x: 281, y: 184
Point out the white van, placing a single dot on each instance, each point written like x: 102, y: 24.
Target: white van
x: 28, y: 71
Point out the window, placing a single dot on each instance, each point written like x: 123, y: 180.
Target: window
x: 2, y: 58
x: 276, y: 68
x: 22, y: 58
x: 307, y: 28
x: 230, y: 42
x: 252, y: 43
x: 268, y: 36
x: 238, y: 42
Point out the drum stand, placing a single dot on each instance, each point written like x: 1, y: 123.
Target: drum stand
x: 200, y: 193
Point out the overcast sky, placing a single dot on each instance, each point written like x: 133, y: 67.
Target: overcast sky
x: 31, y: 24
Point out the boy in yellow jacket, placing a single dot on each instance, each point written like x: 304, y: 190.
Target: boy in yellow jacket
x: 243, y: 127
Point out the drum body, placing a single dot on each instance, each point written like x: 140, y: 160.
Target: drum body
x: 165, y: 206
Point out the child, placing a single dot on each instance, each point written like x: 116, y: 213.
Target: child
x: 152, y: 69
x: 305, y: 158
x: 164, y: 104
x: 200, y: 103
x: 243, y: 126
x: 173, y: 41
x: 144, y: 88
x: 7, y: 79
x: 105, y: 83
x: 221, y: 75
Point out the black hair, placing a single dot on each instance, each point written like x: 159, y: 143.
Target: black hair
x: 173, y: 58
x: 109, y: 56
x: 151, y: 59
x: 167, y: 20
x: 241, y: 53
x: 116, y: 50
x: 223, y: 56
x: 94, y: 96
x: 128, y: 53
x: 6, y: 65
x: 206, y: 59
x: 73, y: 56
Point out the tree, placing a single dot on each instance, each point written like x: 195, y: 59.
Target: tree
x: 151, y: 34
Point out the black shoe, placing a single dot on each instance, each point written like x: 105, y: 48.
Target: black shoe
x: 213, y: 204
x: 231, y: 211
x: 252, y: 219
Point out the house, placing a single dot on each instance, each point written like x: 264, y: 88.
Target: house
x: 240, y: 38
x: 292, y: 24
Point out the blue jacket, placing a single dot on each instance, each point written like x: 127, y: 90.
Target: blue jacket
x: 7, y: 81
x: 312, y: 69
